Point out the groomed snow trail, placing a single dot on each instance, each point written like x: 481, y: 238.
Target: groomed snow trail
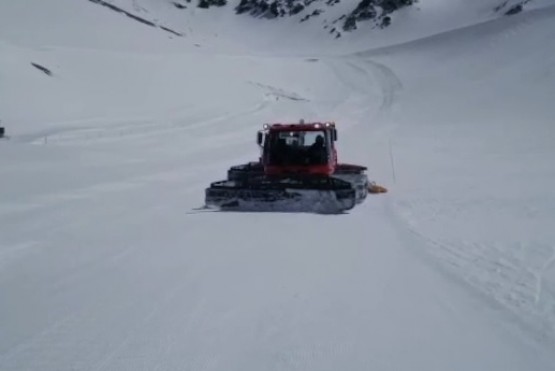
x: 106, y: 263
x: 121, y: 276
x: 163, y: 289
x: 473, y: 157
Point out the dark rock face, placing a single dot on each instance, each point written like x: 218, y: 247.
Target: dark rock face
x: 511, y: 7
x: 377, y: 10
x: 514, y: 10
x: 41, y: 68
x: 208, y: 3
x: 272, y: 8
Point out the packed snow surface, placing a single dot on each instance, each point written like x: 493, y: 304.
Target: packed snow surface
x: 108, y: 261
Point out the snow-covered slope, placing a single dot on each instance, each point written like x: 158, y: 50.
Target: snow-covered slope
x: 105, y: 263
x: 480, y: 190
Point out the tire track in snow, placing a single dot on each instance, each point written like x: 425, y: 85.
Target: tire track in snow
x: 57, y: 344
x: 52, y: 334
x: 51, y: 338
x: 549, y: 264
x: 46, y: 201
x: 157, y: 308
x: 515, y: 276
x: 425, y: 248
x: 363, y: 75
x: 389, y: 82
x: 133, y: 129
x: 376, y: 90
x: 390, y: 86
x: 492, y: 271
x: 358, y: 104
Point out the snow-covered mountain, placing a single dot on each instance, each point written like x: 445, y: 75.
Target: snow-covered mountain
x: 349, y: 15
x: 119, y: 113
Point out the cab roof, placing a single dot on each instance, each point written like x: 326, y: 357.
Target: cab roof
x: 311, y: 126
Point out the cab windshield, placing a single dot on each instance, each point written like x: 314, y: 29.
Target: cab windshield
x: 298, y: 148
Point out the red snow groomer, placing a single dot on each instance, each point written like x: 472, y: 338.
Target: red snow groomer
x: 297, y: 171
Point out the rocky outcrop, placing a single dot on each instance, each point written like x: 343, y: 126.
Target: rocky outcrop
x: 511, y: 7
x: 376, y: 10
x: 208, y: 3
x: 272, y: 8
